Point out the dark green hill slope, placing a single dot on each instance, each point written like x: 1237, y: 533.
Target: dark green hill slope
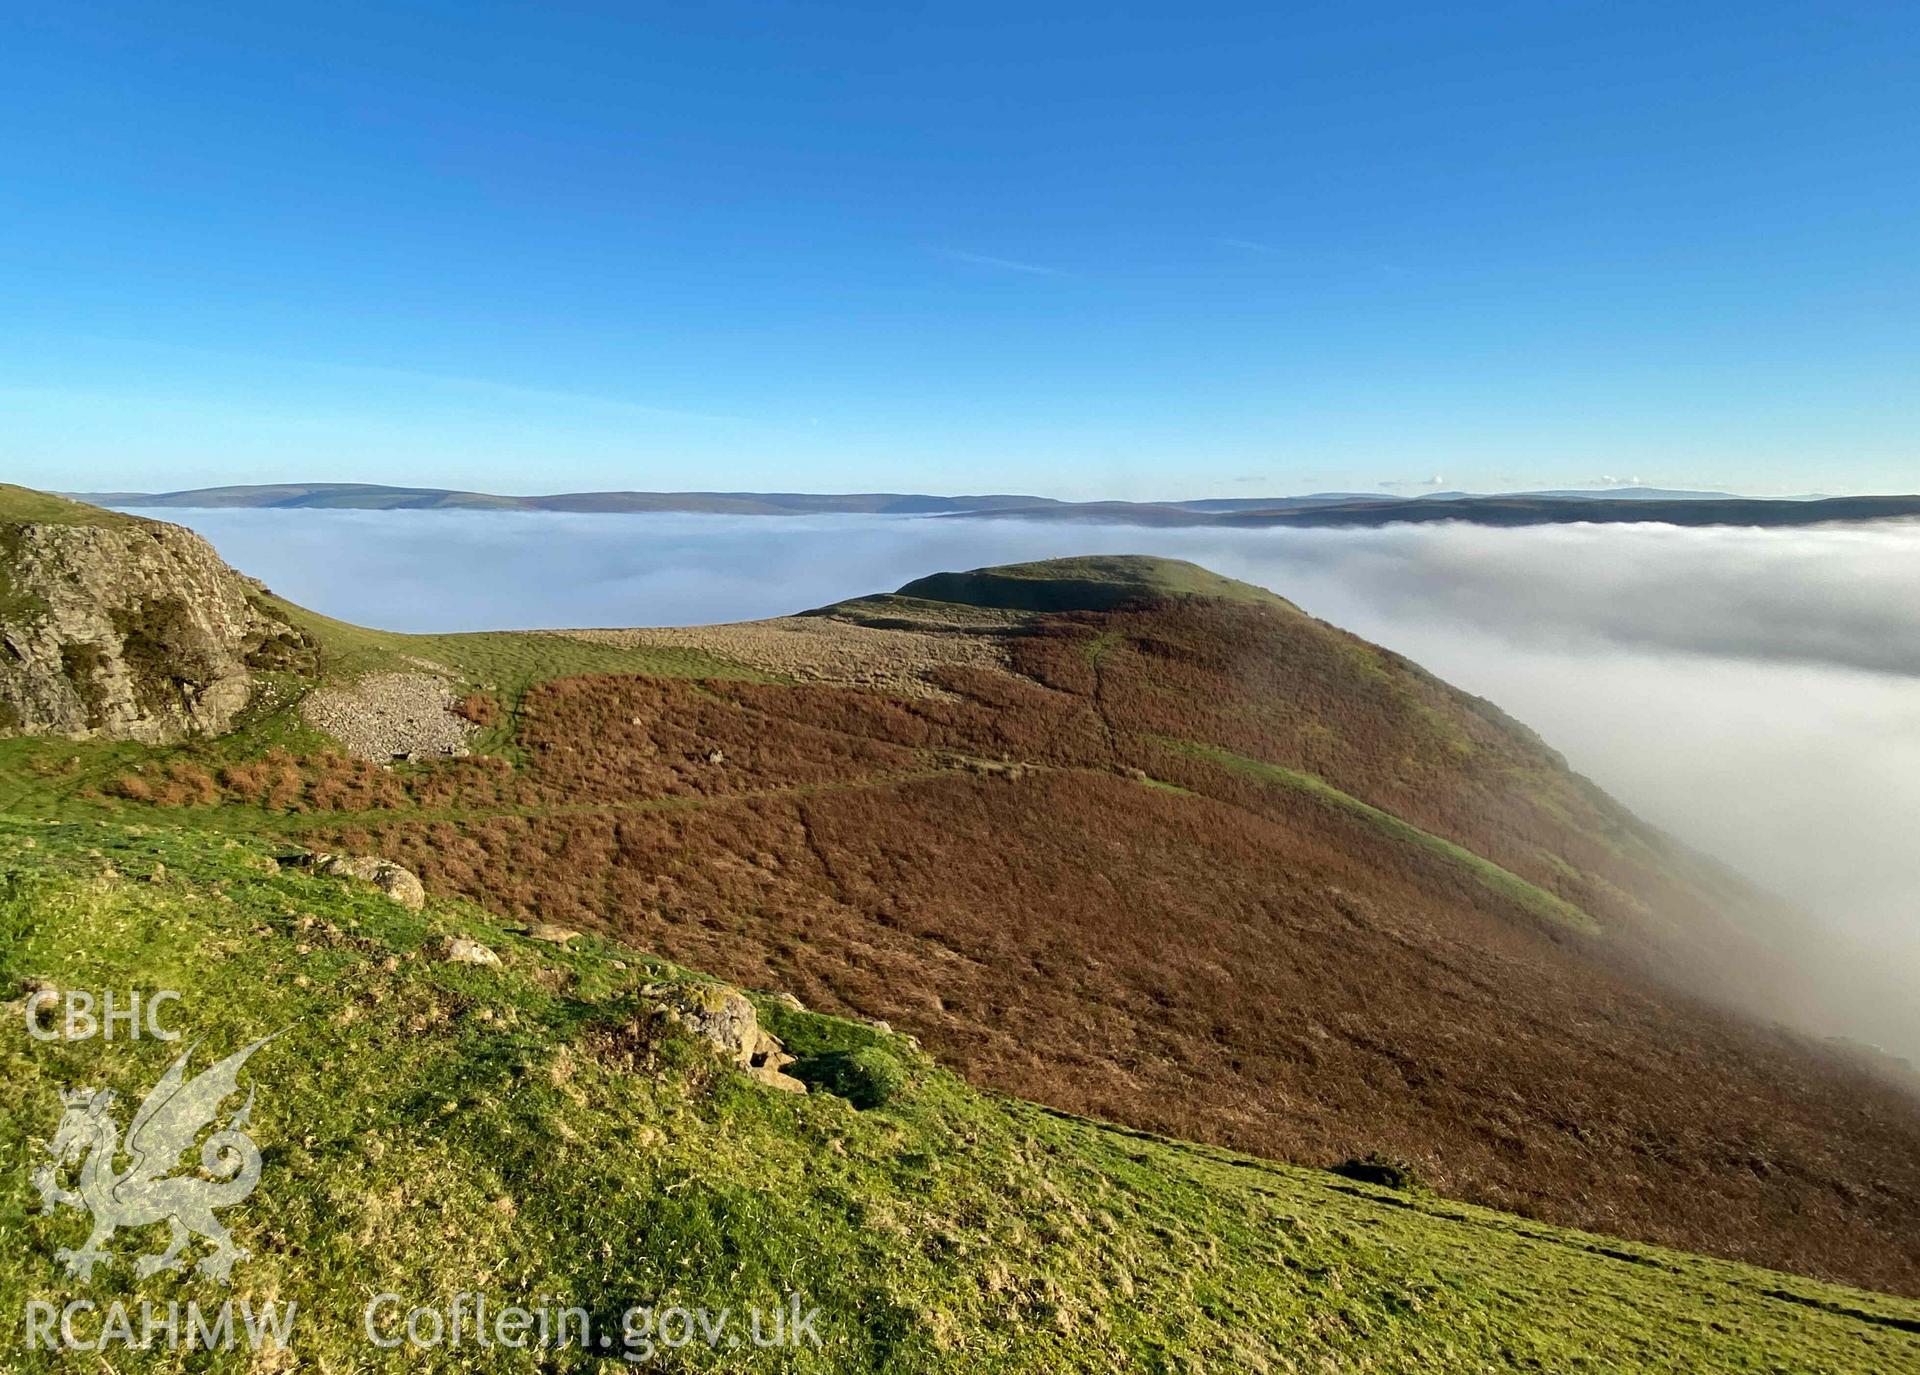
x: 1090, y: 583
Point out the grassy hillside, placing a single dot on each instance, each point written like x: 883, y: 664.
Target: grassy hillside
x: 23, y: 505
x: 1198, y: 864
x: 430, y: 1127
x: 1157, y: 848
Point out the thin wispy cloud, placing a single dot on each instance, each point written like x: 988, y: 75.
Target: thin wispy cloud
x: 1004, y: 264
x: 458, y: 382
x: 1247, y: 245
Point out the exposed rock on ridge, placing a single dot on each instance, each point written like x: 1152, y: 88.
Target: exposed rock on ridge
x: 129, y: 629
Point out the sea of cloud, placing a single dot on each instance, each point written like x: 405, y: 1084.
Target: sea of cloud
x: 1755, y: 692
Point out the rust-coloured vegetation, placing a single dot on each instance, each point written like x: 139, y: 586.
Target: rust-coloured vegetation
x: 481, y: 708
x: 1100, y: 881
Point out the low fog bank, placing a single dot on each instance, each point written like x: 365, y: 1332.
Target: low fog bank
x: 1803, y: 778
x: 1753, y: 692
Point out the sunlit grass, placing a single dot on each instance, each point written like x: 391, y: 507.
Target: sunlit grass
x: 430, y: 1127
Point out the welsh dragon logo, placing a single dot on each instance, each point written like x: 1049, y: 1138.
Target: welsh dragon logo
x: 148, y: 1191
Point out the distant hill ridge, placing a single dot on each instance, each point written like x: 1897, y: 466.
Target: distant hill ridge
x: 1607, y: 504
x: 365, y: 496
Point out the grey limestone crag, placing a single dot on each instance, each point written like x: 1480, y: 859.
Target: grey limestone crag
x: 129, y: 629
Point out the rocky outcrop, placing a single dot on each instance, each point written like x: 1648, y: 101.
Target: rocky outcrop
x: 397, y: 883
x: 130, y: 629
x: 461, y: 950
x: 724, y: 1019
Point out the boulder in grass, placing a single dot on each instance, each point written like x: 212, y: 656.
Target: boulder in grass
x: 463, y: 950
x: 397, y: 883
x: 724, y: 1019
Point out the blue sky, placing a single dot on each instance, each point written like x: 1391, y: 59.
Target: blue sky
x: 1127, y: 250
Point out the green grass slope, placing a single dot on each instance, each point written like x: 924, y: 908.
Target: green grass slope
x: 429, y: 1128
x: 23, y: 505
x: 1547, y: 906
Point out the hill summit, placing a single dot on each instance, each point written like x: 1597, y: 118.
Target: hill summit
x: 1089, y: 583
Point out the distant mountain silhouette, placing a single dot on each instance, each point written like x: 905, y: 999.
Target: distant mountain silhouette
x: 1611, y: 504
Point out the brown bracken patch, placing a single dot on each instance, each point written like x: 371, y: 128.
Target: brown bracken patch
x: 1087, y: 878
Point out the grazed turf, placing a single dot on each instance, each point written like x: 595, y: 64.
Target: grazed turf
x: 24, y: 505
x: 429, y: 1128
